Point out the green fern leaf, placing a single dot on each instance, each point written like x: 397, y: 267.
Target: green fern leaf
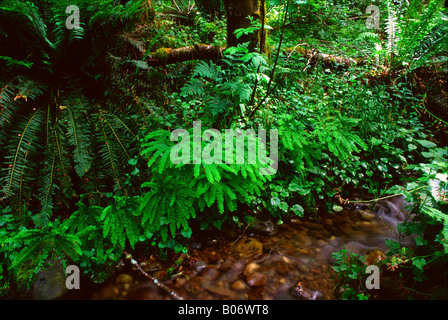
x: 22, y: 147
x: 205, y: 70
x: 442, y: 217
x: 78, y: 134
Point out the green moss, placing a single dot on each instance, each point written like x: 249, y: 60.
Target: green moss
x: 162, y: 54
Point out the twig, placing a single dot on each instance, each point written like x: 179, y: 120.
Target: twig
x: 376, y: 199
x: 307, y: 64
x: 294, y: 49
x: 172, y: 294
x: 270, y: 251
x: 241, y: 234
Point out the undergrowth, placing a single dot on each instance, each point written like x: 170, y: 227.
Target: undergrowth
x: 338, y: 135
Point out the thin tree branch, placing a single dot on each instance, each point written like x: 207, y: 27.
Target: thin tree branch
x: 173, y: 294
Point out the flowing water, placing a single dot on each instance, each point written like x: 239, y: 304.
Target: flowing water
x: 290, y: 261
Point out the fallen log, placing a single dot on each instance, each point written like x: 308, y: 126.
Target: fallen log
x: 329, y: 60
x: 164, y: 56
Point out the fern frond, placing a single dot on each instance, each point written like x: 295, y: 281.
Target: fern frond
x: 83, y: 218
x: 436, y: 214
x: 109, y: 153
x: 369, y: 35
x: 218, y: 105
x: 441, y: 217
x: 119, y: 225
x: 46, y: 193
x: 206, y: 70
x: 194, y: 88
x: 392, y: 30
x: 21, y: 147
x: 59, y: 145
x: 78, y: 133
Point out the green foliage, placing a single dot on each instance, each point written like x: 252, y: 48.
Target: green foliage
x: 28, y: 249
x: 59, y: 134
x: 76, y: 240
x: 73, y: 104
x: 350, y: 275
x: 415, y: 33
x: 181, y: 187
x: 427, y: 197
x: 223, y: 93
x: 211, y: 8
x: 342, y: 134
x: 118, y: 222
x: 283, y: 198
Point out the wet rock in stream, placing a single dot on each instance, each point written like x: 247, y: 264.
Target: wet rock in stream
x: 256, y: 279
x: 250, y: 268
x: 239, y: 285
x: 299, y: 291
x: 366, y: 215
x: 264, y: 227
x: 199, y: 265
x: 248, y: 247
x: 50, y: 282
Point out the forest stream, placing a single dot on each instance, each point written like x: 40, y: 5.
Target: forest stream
x: 289, y: 261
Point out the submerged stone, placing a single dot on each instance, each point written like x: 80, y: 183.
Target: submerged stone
x: 256, y: 279
x: 249, y: 247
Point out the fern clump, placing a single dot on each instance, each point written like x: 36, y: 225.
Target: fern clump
x: 179, y: 191
x: 27, y: 250
x: 181, y: 187
x: 61, y: 133
x: 226, y: 91
x: 415, y: 32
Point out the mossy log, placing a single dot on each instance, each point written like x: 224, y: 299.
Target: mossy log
x: 164, y: 56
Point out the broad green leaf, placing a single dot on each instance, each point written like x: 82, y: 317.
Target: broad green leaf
x: 426, y: 143
x: 419, y: 263
x: 298, y: 210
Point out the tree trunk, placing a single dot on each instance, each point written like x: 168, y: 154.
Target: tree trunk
x: 238, y: 12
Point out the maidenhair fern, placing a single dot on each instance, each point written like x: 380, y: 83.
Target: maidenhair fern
x: 334, y: 135
x: 119, y: 223
x: 221, y: 95
x: 167, y: 207
x: 340, y: 141
x: 181, y: 188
